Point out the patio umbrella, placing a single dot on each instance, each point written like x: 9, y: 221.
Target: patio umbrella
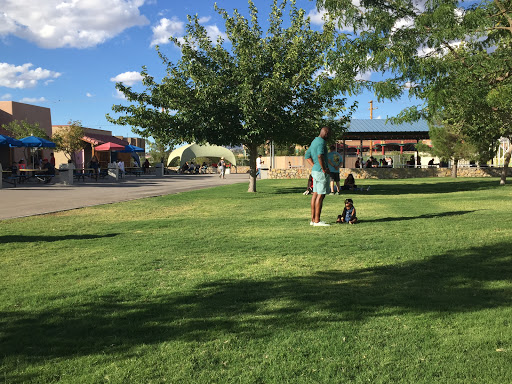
x: 132, y: 148
x: 39, y: 142
x: 109, y: 147
x: 9, y: 141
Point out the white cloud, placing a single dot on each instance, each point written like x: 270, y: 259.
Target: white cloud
x: 176, y: 28
x: 127, y: 78
x: 119, y: 95
x: 71, y: 23
x: 7, y: 96
x: 205, y: 19
x: 317, y: 17
x: 364, y: 76
x: 22, y: 76
x: 165, y: 29
x: 89, y: 94
x: 214, y: 32
x: 33, y: 100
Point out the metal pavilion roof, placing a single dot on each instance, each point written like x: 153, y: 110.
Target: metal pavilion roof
x: 367, y: 129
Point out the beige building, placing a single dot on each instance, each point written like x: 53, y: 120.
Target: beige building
x: 11, y: 111
x: 94, y: 137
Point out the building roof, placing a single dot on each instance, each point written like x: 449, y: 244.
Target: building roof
x: 96, y: 139
x: 360, y: 129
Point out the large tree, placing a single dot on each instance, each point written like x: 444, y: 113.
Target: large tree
x: 271, y: 86
x: 455, y: 56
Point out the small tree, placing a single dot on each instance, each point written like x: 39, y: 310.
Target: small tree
x: 70, y: 139
x: 22, y: 128
x: 158, y: 151
x: 448, y: 143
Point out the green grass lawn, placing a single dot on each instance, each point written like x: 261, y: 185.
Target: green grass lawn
x: 223, y: 286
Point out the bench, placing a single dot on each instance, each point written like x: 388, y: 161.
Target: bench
x: 44, y: 177
x: 10, y: 179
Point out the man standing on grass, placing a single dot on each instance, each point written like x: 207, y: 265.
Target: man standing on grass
x: 316, y: 156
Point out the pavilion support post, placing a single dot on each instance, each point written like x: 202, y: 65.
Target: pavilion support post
x: 344, y: 153
x: 1, y: 180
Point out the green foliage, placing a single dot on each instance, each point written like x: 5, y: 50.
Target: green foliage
x: 267, y: 87
x: 221, y: 286
x: 23, y: 128
x: 450, y: 144
x: 455, y: 56
x: 70, y: 139
x: 158, y: 151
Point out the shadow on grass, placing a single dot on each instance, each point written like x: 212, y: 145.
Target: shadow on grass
x: 427, y: 216
x: 401, y: 187
x: 49, y: 238
x: 462, y: 281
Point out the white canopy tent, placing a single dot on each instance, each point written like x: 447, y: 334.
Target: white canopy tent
x: 193, y: 151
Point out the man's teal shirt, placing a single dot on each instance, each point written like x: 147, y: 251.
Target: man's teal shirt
x: 316, y: 148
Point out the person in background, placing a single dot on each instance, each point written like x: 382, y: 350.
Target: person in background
x: 120, y: 164
x: 95, y: 165
x: 50, y: 170
x: 258, y: 165
x: 52, y: 159
x: 350, y: 183
x: 221, y: 167
x: 146, y: 166
x: 334, y: 161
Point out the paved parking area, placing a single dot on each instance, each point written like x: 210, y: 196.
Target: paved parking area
x: 34, y: 199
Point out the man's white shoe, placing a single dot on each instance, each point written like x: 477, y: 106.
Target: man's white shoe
x: 311, y: 223
x: 321, y: 224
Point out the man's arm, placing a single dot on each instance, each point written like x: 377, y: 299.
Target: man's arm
x: 321, y: 161
x: 310, y: 161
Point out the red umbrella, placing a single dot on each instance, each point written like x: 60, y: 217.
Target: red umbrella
x: 109, y: 147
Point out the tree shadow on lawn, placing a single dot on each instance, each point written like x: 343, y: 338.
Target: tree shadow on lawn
x: 49, y: 238
x: 452, y: 282
x: 426, y: 216
x: 398, y: 187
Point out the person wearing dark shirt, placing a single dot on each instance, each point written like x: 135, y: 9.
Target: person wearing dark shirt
x: 50, y: 170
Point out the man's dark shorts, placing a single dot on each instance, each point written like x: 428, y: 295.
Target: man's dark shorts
x: 335, y: 176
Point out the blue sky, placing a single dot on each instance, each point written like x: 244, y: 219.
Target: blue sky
x: 67, y: 54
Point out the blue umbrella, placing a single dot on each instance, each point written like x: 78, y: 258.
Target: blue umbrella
x: 9, y: 141
x: 132, y: 148
x: 34, y: 141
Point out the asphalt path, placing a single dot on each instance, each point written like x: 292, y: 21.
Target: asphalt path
x: 30, y: 199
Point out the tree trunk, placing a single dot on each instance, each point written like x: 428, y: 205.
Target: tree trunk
x: 253, y: 154
x: 454, y: 167
x: 503, y: 180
